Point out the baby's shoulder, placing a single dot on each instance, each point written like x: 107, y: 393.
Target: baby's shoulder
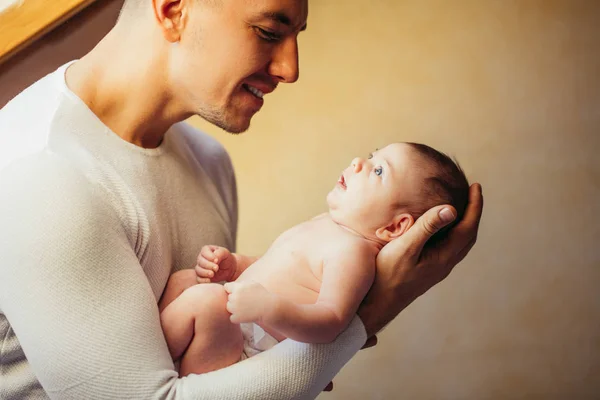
x: 350, y: 247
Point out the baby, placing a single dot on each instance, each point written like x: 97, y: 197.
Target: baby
x: 310, y: 282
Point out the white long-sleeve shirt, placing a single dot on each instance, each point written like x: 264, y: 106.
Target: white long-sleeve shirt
x: 91, y: 226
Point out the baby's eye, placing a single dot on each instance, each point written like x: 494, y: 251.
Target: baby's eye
x: 378, y: 171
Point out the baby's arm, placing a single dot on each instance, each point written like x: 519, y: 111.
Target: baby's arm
x: 347, y: 277
x: 243, y: 262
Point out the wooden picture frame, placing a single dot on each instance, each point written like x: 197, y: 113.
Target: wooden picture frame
x: 26, y: 20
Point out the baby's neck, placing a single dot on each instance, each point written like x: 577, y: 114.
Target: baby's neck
x: 378, y: 243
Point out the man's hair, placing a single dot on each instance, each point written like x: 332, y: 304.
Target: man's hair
x: 445, y: 183
x: 133, y: 7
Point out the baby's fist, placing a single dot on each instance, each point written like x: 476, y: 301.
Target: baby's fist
x: 248, y: 301
x: 215, y: 264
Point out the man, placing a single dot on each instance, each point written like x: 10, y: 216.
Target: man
x: 104, y: 190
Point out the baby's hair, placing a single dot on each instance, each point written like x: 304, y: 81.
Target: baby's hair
x: 446, y: 183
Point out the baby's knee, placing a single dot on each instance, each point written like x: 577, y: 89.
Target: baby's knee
x: 207, y: 296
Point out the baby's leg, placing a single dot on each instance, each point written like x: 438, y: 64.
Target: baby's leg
x: 197, y: 328
x: 177, y: 283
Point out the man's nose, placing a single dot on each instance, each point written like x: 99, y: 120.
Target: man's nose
x: 284, y: 65
x: 357, y: 164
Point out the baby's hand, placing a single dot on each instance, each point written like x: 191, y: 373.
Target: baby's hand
x: 248, y: 301
x: 215, y: 264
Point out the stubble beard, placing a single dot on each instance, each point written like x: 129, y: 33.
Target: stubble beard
x: 223, y: 119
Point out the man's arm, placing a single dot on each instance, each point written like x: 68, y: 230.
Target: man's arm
x: 81, y: 306
x: 347, y: 277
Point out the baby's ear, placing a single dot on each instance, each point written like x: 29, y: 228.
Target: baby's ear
x: 398, y: 227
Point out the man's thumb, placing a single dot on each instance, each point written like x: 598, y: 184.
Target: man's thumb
x: 412, y: 242
x: 431, y: 222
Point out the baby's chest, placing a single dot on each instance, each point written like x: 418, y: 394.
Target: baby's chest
x: 301, y: 252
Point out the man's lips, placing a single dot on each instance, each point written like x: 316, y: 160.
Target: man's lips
x: 259, y: 89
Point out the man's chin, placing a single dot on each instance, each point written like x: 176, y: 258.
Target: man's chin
x: 235, y: 129
x: 235, y: 125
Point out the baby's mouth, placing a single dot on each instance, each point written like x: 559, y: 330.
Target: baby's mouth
x: 342, y: 181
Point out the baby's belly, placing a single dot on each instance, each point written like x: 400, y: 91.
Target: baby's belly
x: 299, y: 286
x: 293, y: 280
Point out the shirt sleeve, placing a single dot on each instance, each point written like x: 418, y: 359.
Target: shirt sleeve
x: 84, y: 313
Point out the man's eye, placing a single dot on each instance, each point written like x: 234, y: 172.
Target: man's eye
x: 378, y: 171
x: 267, y: 35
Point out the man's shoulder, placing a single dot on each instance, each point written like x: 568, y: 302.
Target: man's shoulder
x: 47, y: 188
x: 49, y: 207
x: 25, y: 120
x: 43, y: 173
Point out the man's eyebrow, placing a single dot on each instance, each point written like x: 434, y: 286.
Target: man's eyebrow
x: 281, y: 18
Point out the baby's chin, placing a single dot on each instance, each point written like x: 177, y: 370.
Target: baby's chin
x: 337, y: 215
x: 330, y: 201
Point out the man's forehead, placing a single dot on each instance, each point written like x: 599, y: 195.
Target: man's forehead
x: 284, y: 19
x: 291, y: 13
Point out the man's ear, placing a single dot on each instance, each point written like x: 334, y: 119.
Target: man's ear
x: 172, y: 17
x: 396, y: 228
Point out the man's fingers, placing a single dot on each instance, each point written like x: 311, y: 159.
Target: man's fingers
x: 463, y: 253
x: 426, y: 226
x: 411, y: 243
x: 463, y: 236
x: 372, y: 341
x: 470, y: 222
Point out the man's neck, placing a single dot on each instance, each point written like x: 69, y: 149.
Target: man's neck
x: 127, y: 89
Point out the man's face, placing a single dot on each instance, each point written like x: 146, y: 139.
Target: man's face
x: 232, y: 53
x: 367, y: 193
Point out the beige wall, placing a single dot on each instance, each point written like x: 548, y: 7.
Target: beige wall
x: 509, y: 87
x: 512, y: 89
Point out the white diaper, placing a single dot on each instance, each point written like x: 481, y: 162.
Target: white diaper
x: 256, y: 340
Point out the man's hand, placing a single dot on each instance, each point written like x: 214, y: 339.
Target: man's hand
x: 248, y: 301
x: 215, y: 264
x: 408, y: 266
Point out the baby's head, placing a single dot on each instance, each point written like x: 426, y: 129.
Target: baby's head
x: 382, y: 196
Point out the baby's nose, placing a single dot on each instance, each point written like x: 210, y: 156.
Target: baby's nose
x: 357, y: 164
